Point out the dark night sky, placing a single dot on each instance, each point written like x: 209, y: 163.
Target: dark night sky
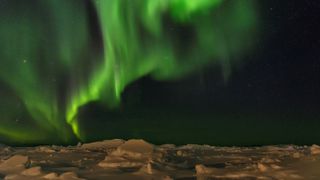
x: 271, y: 97
x: 283, y: 71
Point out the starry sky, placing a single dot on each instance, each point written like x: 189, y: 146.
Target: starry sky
x: 272, y: 98
x: 252, y: 78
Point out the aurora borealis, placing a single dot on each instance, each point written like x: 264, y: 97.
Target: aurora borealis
x: 219, y: 72
x: 58, y: 55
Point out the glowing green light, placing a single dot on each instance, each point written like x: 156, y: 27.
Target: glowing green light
x: 36, y: 48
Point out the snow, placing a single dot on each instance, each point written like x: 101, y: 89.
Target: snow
x: 15, y: 163
x: 315, y: 149
x: 138, y: 159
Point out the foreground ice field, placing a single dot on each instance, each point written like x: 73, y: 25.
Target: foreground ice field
x: 137, y: 159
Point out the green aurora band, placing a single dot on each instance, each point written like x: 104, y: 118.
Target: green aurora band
x: 54, y: 60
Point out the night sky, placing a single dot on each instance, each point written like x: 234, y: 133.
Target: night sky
x: 282, y: 73
x: 273, y: 98
x: 264, y: 90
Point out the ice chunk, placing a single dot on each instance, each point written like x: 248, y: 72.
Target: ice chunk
x: 69, y: 176
x: 51, y: 176
x: 34, y: 171
x: 119, y: 162
x: 136, y: 149
x: 315, y: 149
x: 107, y: 144
x: 16, y: 163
